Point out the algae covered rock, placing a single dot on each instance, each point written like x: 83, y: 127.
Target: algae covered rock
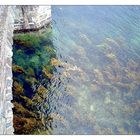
x: 17, y: 88
x: 46, y: 71
x: 26, y: 125
x: 32, y: 62
x: 37, y: 99
x: 50, y: 50
x: 17, y: 69
x: 55, y: 62
x: 20, y: 110
x: 27, y: 102
x: 30, y: 84
x: 30, y: 72
x: 27, y: 40
x: 41, y: 90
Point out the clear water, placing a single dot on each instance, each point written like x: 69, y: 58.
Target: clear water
x: 95, y: 88
x: 97, y: 91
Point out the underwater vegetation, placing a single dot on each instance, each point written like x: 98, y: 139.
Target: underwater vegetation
x: 114, y: 85
x: 81, y: 77
x: 31, y: 61
x: 101, y: 77
x: 103, y: 97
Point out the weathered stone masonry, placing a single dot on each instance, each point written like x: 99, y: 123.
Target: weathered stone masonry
x: 9, y: 15
x: 6, y: 34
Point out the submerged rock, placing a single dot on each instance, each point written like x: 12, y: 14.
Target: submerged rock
x: 17, y: 69
x: 37, y: 99
x: 47, y: 73
x: 26, y: 125
x: 32, y: 52
x: 42, y: 90
x: 30, y: 72
x: 50, y: 50
x: 20, y: 110
x: 31, y: 80
x: 55, y: 62
x: 27, y: 40
x: 111, y: 56
x: 17, y: 88
x: 27, y: 102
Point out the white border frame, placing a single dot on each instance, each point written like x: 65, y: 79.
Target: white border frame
x: 69, y: 2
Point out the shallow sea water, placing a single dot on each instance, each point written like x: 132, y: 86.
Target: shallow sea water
x: 96, y: 87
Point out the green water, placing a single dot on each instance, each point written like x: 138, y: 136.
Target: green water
x: 86, y: 67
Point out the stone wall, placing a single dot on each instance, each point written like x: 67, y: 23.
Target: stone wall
x: 6, y: 33
x: 31, y: 17
x: 7, y: 27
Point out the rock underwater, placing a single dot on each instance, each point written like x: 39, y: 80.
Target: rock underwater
x: 32, y: 56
